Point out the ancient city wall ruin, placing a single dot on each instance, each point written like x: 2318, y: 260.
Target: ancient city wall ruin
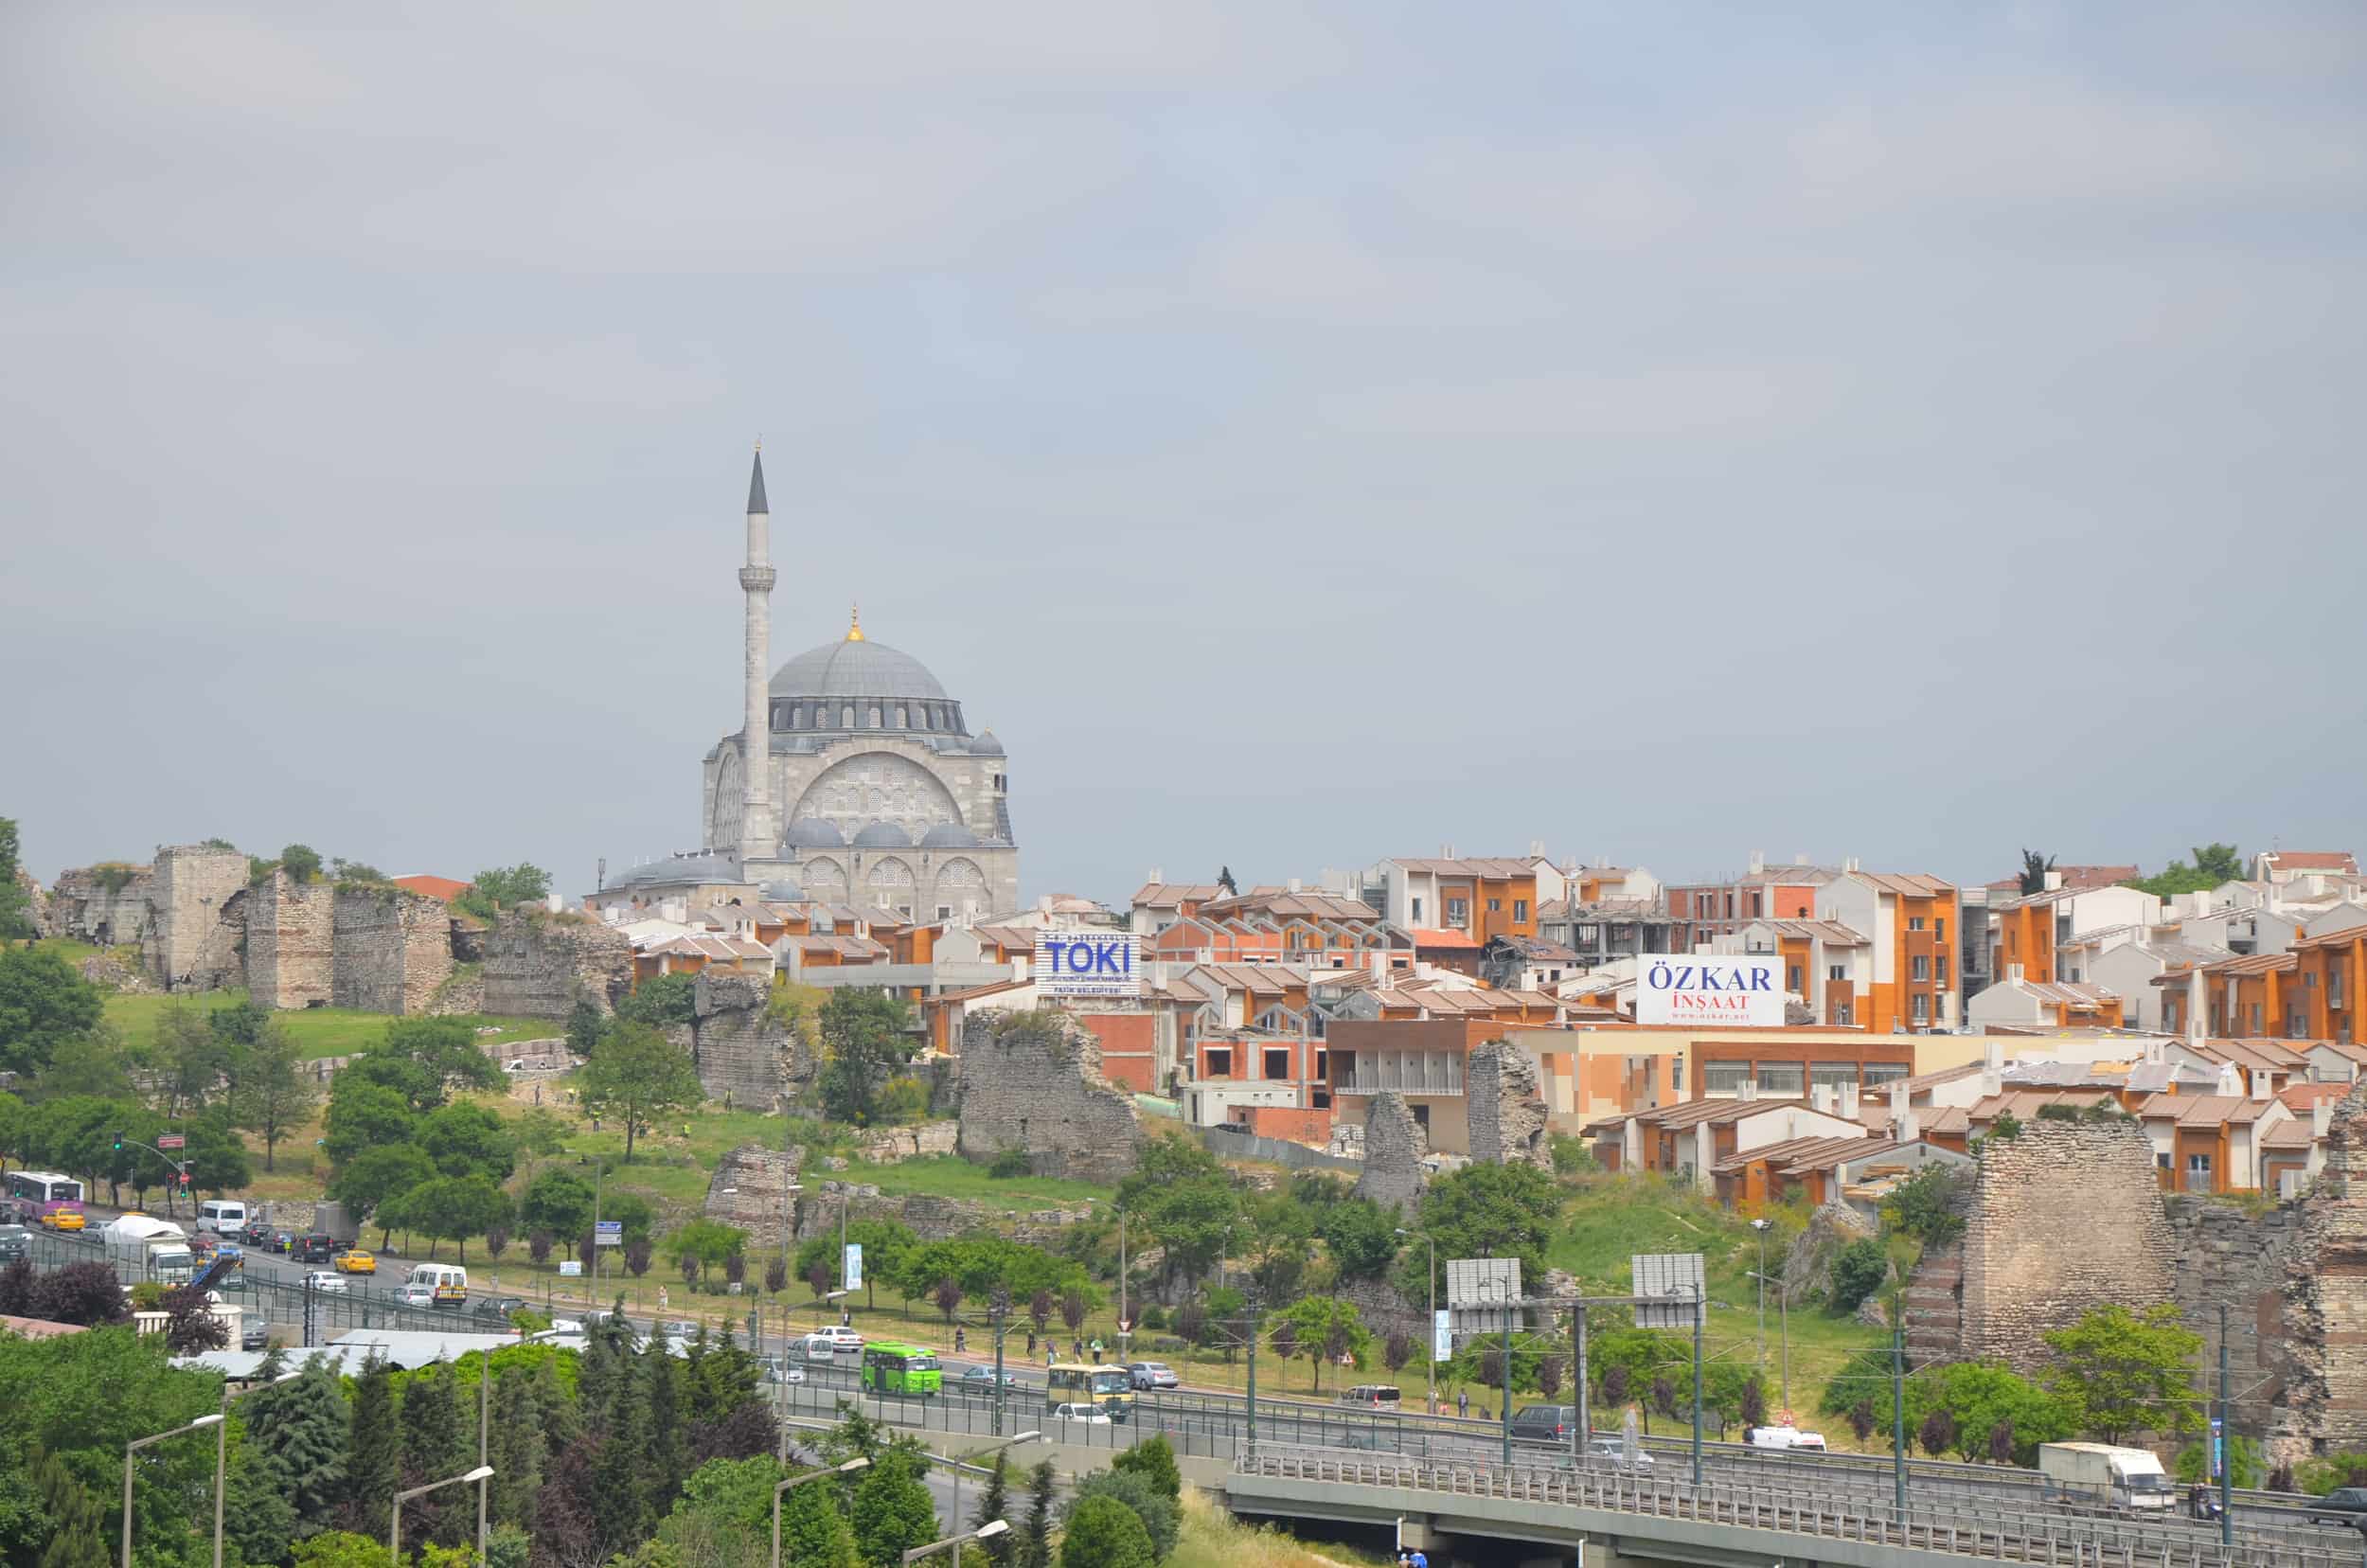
x: 745, y: 1055
x: 1505, y: 1108
x: 290, y: 942
x: 538, y: 965
x: 393, y: 948
x: 188, y: 944
x: 1032, y: 1081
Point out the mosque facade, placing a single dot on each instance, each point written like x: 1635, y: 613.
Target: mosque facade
x: 854, y: 777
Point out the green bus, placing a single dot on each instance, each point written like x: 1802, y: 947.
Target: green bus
x: 892, y: 1368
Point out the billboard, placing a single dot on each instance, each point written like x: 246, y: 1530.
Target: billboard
x: 1710, y: 988
x: 851, y: 1267
x: 1675, y: 1283
x: 607, y: 1233
x: 1088, y: 963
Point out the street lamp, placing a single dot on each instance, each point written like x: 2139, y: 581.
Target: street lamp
x: 991, y: 1528
x: 1783, y: 1314
x: 394, y: 1525
x: 1429, y: 1351
x: 134, y: 1447
x: 955, y: 1462
x: 1760, y: 1225
x: 848, y: 1468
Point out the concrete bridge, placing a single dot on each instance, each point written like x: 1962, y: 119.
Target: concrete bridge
x: 1610, y: 1518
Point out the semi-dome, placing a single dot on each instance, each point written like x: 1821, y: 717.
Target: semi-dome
x: 857, y: 667
x: 985, y: 745
x: 814, y: 833
x: 949, y: 835
x: 883, y: 835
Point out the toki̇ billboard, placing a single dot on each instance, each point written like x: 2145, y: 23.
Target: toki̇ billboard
x: 1088, y: 963
x: 1710, y: 988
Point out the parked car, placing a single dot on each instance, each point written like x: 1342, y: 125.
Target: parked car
x: 282, y: 1241
x: 417, y: 1295
x: 327, y: 1282
x: 254, y: 1334
x: 497, y: 1307
x: 15, y: 1243
x: 566, y: 1326
x: 1150, y: 1375
x: 2343, y: 1506
x: 257, y: 1234
x: 316, y: 1247
x: 1080, y: 1414
x: 825, y: 1343
x: 1604, y: 1449
x: 354, y: 1260
x: 1545, y: 1424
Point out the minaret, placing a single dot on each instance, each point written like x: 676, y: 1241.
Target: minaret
x: 759, y: 836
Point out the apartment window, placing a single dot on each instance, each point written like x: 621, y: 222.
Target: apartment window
x: 1755, y: 905
x: 945, y: 912
x: 2255, y: 1018
x: 2198, y: 1171
x: 1920, y: 1007
x: 1792, y: 978
x: 1939, y: 968
x: 1833, y: 1075
x: 1520, y: 909
x: 1495, y: 906
x: 1458, y: 912
x: 1919, y: 967
x: 2160, y: 1162
x: 1781, y: 1078
x: 1886, y: 1072
x: 1623, y: 934
x: 1836, y: 971
x: 1914, y: 922
x: 1277, y: 1062
x: 1418, y: 911
x: 1219, y: 1061
x: 1724, y: 1077
x: 1939, y: 927
x: 1323, y: 1064
x: 1590, y: 934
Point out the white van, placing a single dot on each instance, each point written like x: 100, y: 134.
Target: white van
x: 1785, y: 1438
x: 222, y: 1216
x: 447, y: 1283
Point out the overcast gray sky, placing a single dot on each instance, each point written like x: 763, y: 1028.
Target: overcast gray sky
x: 1304, y: 432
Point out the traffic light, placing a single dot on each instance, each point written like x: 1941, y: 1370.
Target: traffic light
x: 184, y: 1178
x: 118, y: 1142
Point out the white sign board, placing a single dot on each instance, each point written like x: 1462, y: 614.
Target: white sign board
x: 1442, y: 1336
x: 607, y: 1233
x: 569, y: 1269
x: 1088, y: 963
x: 851, y: 1271
x: 1710, y: 988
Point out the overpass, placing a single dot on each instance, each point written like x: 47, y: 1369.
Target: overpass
x: 1614, y: 1516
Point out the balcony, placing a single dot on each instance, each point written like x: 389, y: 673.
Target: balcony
x: 1405, y: 1073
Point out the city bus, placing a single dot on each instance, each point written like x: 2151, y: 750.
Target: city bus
x: 1109, y: 1388
x: 909, y: 1369
x: 57, y: 1199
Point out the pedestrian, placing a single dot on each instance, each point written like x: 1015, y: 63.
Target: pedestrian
x: 1077, y: 1348
x: 1031, y: 1344
x: 1097, y: 1349
x: 1462, y: 1403
x: 961, y: 1340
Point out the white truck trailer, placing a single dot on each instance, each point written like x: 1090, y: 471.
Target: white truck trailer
x: 2098, y: 1475
x: 147, y: 1248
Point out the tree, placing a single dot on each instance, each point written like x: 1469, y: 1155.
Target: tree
x: 1105, y: 1533
x: 373, y: 1447
x: 1154, y: 1459
x: 2214, y: 865
x: 1859, y: 1270
x: 2034, y: 870
x: 1930, y: 1205
x: 73, y: 1517
x: 710, y: 1242
x: 1937, y: 1433
x: 1484, y: 1211
x: 1035, y: 1546
x: 276, y: 1089
x: 301, y: 862
x: 948, y: 1296
x: 377, y: 1176
x: 1549, y: 1376
x: 189, y: 1058
x: 2122, y: 1372
x: 300, y: 1428
x: 363, y: 1116
x: 449, y: 1208
x: 1160, y: 1514
x: 1182, y: 1197
x: 585, y: 1024
x: 503, y: 887
x: 1361, y: 1237
x: 661, y: 1002
x: 85, y: 1293
x: 434, y: 1055
x: 814, y: 1532
x: 469, y: 1140
x: 44, y: 1005
x: 190, y: 1326
x: 215, y: 1154
x: 865, y: 1037
x: 1753, y: 1405
x: 994, y: 1502
x: 557, y: 1203
x: 15, y: 923
x: 892, y: 1511
x: 636, y: 1075
x: 1324, y: 1329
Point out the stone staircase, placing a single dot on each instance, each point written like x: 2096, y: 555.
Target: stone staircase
x: 1935, y: 1307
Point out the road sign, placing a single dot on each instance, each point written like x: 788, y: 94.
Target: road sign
x: 2219, y: 1459
x: 609, y: 1233
x: 1125, y: 1326
x: 1484, y: 1294
x: 569, y: 1269
x: 172, y: 1140
x: 1675, y: 1278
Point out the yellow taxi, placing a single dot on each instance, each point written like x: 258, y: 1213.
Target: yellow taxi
x: 63, y: 1219
x: 354, y: 1260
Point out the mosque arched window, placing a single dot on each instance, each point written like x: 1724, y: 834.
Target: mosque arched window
x: 875, y: 718
x: 904, y: 718
x: 847, y: 718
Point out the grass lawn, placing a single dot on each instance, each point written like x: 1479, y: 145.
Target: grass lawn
x: 951, y: 1176
x: 317, y: 1031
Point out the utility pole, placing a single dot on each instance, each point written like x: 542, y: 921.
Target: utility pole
x: 1001, y: 1310
x: 1126, y: 1335
x: 1586, y: 1421
x: 1699, y: 1310
x: 1760, y: 1225
x: 1898, y: 1419
x: 1504, y: 1385
x: 599, y: 1171
x: 2225, y: 1445
x: 1250, y: 1398
x: 484, y: 1439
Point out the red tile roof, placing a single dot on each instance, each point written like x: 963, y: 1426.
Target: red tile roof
x: 2314, y: 860
x: 433, y: 887
x: 1432, y: 936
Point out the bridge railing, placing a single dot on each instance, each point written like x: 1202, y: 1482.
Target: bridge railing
x: 2006, y: 1534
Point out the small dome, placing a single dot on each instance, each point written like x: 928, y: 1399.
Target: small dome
x: 813, y: 833
x: 781, y: 892
x: 883, y: 835
x: 985, y: 745
x: 949, y: 835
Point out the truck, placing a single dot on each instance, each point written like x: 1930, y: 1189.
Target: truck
x: 147, y: 1248
x: 2100, y: 1477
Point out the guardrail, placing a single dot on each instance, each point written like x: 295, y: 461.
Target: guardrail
x: 1986, y: 1533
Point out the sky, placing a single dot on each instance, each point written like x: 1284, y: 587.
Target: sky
x: 1305, y: 433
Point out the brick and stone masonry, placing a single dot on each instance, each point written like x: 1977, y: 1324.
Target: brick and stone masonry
x: 745, y: 1055
x: 188, y: 945
x: 1033, y: 1081
x: 538, y: 965
x: 1506, y: 1111
x: 2324, y: 1300
x: 392, y: 947
x: 2066, y: 1217
x: 291, y: 957
x: 1394, y: 1146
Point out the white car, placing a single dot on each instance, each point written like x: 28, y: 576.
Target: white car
x: 1084, y: 1414
x: 1614, y: 1450
x: 782, y: 1370
x: 833, y: 1341
x: 327, y: 1282
x: 417, y: 1295
x: 565, y: 1325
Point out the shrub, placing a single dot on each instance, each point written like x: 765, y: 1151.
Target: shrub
x: 1009, y: 1163
x: 1105, y: 1533
x: 1859, y: 1270
x: 1154, y: 1459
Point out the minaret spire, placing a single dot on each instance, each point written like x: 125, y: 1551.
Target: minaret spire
x: 759, y: 836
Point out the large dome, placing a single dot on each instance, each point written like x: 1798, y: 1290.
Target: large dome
x: 857, y: 667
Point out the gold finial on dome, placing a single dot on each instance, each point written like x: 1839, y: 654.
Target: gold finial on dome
x: 854, y: 629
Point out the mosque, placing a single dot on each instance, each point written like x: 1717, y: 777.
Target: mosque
x: 869, y: 788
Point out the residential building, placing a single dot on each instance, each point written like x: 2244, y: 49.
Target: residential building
x: 1912, y: 985
x: 1828, y: 968
x: 1761, y: 893
x: 2330, y: 978
x: 1689, y: 1140
x: 1858, y: 1170
x: 2128, y: 970
x: 2210, y: 1142
x: 1605, y: 930
x: 2027, y: 930
x: 1525, y: 963
x: 2285, y: 865
x: 2064, y: 1005
x: 2071, y: 877
x: 1482, y: 898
